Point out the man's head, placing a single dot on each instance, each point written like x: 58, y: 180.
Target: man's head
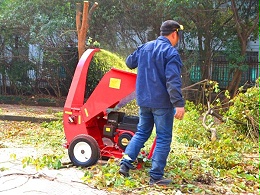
x: 172, y: 30
x: 170, y: 26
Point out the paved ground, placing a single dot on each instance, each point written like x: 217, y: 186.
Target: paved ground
x: 14, y: 179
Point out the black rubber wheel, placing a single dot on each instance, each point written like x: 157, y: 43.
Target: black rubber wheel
x: 123, y: 140
x: 84, y: 151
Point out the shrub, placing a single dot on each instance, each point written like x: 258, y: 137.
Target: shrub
x: 245, y: 111
x: 190, y: 130
x: 101, y: 63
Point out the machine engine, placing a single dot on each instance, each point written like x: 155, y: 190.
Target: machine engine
x: 120, y: 128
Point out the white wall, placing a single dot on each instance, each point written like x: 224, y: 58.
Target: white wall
x: 253, y: 46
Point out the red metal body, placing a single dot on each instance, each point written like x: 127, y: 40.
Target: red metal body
x: 89, y: 118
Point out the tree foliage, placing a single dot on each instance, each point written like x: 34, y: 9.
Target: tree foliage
x: 205, y: 24
x: 120, y: 26
x: 123, y: 25
x: 45, y: 25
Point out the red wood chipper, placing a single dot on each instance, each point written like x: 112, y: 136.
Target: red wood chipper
x: 94, y: 128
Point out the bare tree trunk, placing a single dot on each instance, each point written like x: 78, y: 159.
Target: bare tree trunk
x: 2, y: 66
x: 234, y: 84
x: 4, y: 87
x: 83, y: 25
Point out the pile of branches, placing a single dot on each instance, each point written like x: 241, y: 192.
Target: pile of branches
x: 245, y: 108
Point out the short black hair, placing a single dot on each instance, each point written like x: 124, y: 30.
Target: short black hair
x: 168, y: 27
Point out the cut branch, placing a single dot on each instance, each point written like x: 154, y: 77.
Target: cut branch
x: 78, y: 16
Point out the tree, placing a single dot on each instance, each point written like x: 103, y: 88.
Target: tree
x: 214, y: 27
x: 121, y: 26
x: 207, y: 25
x: 45, y: 25
x: 83, y: 26
x: 246, y: 19
x: 14, y: 38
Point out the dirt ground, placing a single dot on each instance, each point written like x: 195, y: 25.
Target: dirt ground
x: 24, y: 110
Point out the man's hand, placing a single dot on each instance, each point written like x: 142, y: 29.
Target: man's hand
x: 180, y: 111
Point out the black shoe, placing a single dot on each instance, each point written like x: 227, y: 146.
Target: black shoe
x: 160, y: 182
x: 124, y: 170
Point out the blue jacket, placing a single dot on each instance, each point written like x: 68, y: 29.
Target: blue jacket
x: 158, y: 82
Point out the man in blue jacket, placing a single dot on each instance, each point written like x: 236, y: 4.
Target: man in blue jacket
x: 159, y: 97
